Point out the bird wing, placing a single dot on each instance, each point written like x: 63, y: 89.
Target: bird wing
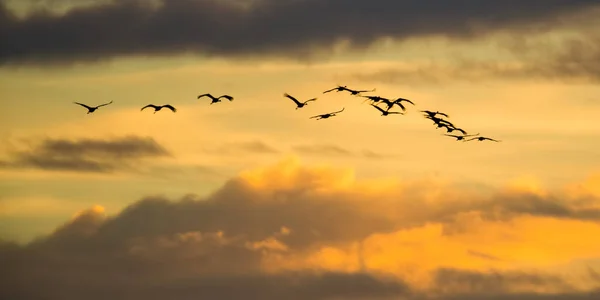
x: 331, y: 90
x: 292, y: 98
x: 471, y: 139
x: 337, y: 112
x: 205, y: 95
x: 492, y: 139
x: 407, y: 100
x: 83, y: 105
x: 170, y: 107
x: 317, y: 116
x: 227, y: 97
x: 150, y: 105
x: 313, y: 99
x: 104, y: 104
x: 461, y: 131
x: 472, y: 134
x: 443, y: 114
x: 401, y: 106
x: 378, y: 108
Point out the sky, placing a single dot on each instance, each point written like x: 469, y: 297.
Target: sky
x: 252, y: 199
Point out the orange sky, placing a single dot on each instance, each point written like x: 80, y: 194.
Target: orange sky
x: 390, y: 197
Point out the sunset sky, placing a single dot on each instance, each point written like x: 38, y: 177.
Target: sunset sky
x: 251, y: 199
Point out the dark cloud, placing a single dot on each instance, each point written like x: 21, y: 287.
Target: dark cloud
x: 86, y: 155
x: 282, y: 27
x: 215, y: 247
x: 576, y: 60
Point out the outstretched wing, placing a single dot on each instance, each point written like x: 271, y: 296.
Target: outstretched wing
x: 227, y: 97
x: 452, y: 135
x: 292, y: 98
x: 104, y: 104
x: 339, y: 111
x: 400, y: 104
x: 170, y: 107
x: 493, y: 140
x: 205, y: 95
x: 83, y: 105
x: 443, y: 114
x: 458, y: 129
x: 378, y: 108
x: 317, y: 116
x: 309, y: 100
x: 331, y: 90
x: 149, y: 105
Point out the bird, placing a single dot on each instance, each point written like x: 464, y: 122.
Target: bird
x: 298, y: 103
x: 216, y: 99
x: 357, y: 92
x: 328, y: 115
x: 386, y: 112
x: 399, y: 100
x: 157, y: 108
x: 482, y: 138
x: 339, y: 88
x: 439, y: 121
x: 451, y: 128
x: 434, y: 113
x: 92, y: 109
x: 375, y: 99
x: 461, y: 137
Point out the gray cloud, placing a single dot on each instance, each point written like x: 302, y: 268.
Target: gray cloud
x: 576, y: 60
x: 322, y: 150
x: 211, y: 247
x: 282, y: 27
x: 85, y: 155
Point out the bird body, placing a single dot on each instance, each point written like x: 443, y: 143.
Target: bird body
x: 298, y: 103
x: 461, y: 137
x: 385, y: 112
x: 434, y: 113
x: 92, y: 109
x: 216, y: 99
x: 482, y: 138
x: 327, y: 115
x: 157, y: 108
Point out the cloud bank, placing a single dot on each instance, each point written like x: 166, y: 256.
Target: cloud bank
x: 292, y: 28
x: 85, y: 155
x: 292, y: 232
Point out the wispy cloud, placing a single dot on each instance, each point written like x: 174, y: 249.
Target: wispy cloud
x: 175, y: 27
x: 85, y: 155
x: 249, y: 147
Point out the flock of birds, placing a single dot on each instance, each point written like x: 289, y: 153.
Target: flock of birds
x: 375, y: 101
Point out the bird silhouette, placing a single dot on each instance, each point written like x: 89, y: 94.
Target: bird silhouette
x: 482, y: 138
x: 434, y: 113
x: 157, y: 108
x: 400, y: 100
x: 328, y: 115
x: 357, y: 92
x: 375, y: 99
x: 216, y: 99
x: 386, y: 112
x: 461, y: 137
x: 439, y: 121
x: 452, y: 128
x: 339, y: 88
x: 298, y: 103
x: 92, y: 109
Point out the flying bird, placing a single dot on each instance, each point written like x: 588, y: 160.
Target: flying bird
x: 157, y: 108
x: 339, y: 88
x: 375, y: 99
x: 461, y: 137
x: 399, y: 100
x: 92, y: 109
x: 439, y: 121
x: 216, y: 99
x: 386, y: 112
x: 328, y: 115
x: 298, y: 103
x: 434, y: 113
x: 482, y: 138
x: 452, y: 128
x: 357, y: 92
